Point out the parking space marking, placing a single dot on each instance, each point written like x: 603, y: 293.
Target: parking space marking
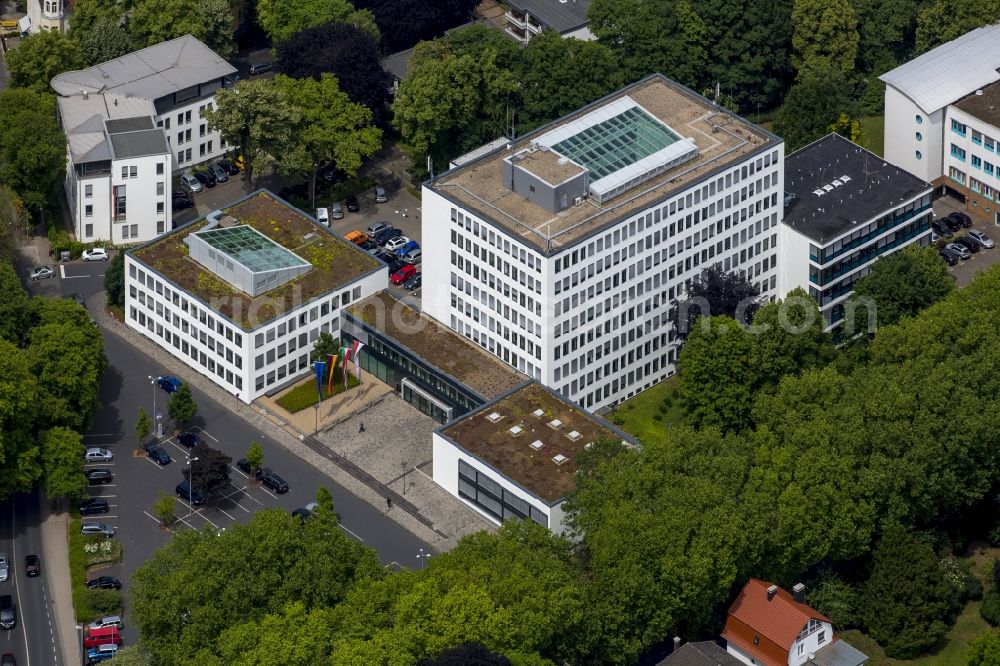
x: 353, y: 534
x: 153, y: 462
x: 205, y: 432
x: 247, y: 495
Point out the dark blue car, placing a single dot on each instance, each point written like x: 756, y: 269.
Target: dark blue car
x: 169, y: 384
x: 157, y: 453
x: 189, y: 439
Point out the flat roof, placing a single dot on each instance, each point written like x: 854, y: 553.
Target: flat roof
x: 250, y: 248
x: 985, y: 107
x: 547, y: 426
x: 439, y: 346
x: 559, y: 16
x: 139, y: 143
x: 547, y: 165
x: 721, y: 138
x: 837, y: 184
x: 335, y: 262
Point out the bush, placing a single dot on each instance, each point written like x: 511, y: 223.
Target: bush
x: 835, y: 598
x: 104, y: 602
x: 959, y: 575
x: 990, y: 610
x: 78, y: 571
x: 304, y: 395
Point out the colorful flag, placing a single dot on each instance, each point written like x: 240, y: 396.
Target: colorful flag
x: 345, y: 353
x: 333, y: 365
x: 320, y: 368
x: 356, y: 353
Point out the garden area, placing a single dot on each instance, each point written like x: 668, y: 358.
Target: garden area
x: 648, y: 414
x: 86, y: 552
x: 304, y: 394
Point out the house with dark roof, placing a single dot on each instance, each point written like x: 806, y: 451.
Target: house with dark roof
x: 705, y: 653
x: 527, y: 18
x: 767, y: 626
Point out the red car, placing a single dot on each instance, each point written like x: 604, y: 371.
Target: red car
x: 403, y: 274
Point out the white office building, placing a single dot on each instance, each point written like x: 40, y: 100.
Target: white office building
x: 170, y: 85
x: 561, y: 253
x: 242, y: 294
x: 941, y: 118
x: 845, y: 207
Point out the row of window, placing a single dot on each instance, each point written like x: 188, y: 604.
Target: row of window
x: 481, y: 231
x: 862, y: 235
x: 495, y: 347
x: 494, y: 325
x: 487, y: 494
x: 321, y: 309
x: 494, y: 261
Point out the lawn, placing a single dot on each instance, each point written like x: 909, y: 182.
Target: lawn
x: 874, y: 129
x: 648, y: 415
x: 304, y: 395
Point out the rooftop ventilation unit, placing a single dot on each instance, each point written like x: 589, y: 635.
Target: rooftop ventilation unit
x: 516, y: 430
x: 574, y: 435
x: 828, y: 187
x: 559, y: 459
x: 539, y: 413
x: 555, y: 424
x: 819, y: 193
x: 845, y: 179
x: 838, y: 183
x: 494, y: 417
x: 537, y: 444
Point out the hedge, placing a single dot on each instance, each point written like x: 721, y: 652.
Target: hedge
x: 88, y: 604
x: 304, y: 395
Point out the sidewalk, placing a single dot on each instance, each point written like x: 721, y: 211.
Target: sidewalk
x: 55, y: 555
x: 331, y: 411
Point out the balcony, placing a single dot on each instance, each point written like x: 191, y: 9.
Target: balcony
x: 520, y: 34
x: 534, y: 26
x: 515, y: 18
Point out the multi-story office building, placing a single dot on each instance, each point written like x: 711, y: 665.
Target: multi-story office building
x: 46, y: 16
x: 561, y: 252
x: 844, y: 208
x: 527, y: 18
x: 241, y: 295
x: 941, y: 118
x: 177, y: 79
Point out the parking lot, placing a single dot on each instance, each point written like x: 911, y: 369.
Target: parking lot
x: 966, y: 270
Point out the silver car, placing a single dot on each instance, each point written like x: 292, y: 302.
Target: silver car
x: 107, y: 621
x: 982, y: 239
x: 4, y: 567
x: 962, y: 252
x: 98, y: 529
x: 95, y: 454
x: 381, y: 196
x: 336, y: 211
x: 191, y: 184
x: 42, y: 273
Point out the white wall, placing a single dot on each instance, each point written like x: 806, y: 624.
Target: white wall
x: 793, y: 260
x: 141, y: 198
x: 178, y: 130
x: 901, y: 143
x: 810, y: 644
x: 100, y: 203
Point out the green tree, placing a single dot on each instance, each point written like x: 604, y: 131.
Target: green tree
x: 142, y: 428
x: 293, y: 636
x: 256, y: 116
x: 811, y: 106
x: 717, y: 374
x: 14, y: 308
x: 106, y: 41
x: 32, y: 145
x: 210, y: 470
x: 165, y: 508
x: 15, y: 224
x: 836, y: 598
x: 255, y: 456
x: 941, y: 21
x: 825, y: 37
x: 849, y: 128
x: 907, y: 604
x: 182, y: 406
x: 324, y: 346
x: 985, y: 650
x: 330, y: 129
x: 904, y: 283
x: 62, y: 464
x: 211, y: 21
x: 133, y: 655
x: 788, y: 337
x: 886, y: 31
x: 40, y: 57
x: 89, y: 15
x: 114, y: 280
x: 19, y: 415
x: 281, y: 19
x: 558, y: 76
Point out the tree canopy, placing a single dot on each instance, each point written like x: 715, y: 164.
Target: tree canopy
x: 281, y: 19
x: 32, y: 145
x: 211, y: 21
x: 38, y: 58
x: 904, y: 283
x: 403, y: 23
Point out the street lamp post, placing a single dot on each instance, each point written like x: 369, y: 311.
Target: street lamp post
x: 422, y: 556
x: 153, y: 380
x: 190, y: 466
x: 404, y: 477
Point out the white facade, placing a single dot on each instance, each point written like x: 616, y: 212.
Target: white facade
x: 972, y: 155
x: 815, y: 636
x: 591, y: 320
x: 913, y: 138
x: 47, y: 16
x: 247, y: 364
x: 191, y: 139
x: 450, y: 472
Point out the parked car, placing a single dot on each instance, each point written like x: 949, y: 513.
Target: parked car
x: 953, y: 223
x: 270, y: 479
x: 189, y: 494
x: 97, y: 529
x: 107, y: 621
x: 368, y: 245
x: 230, y: 168
x: 941, y: 229
x: 205, y: 178
x: 157, y: 454
x: 377, y: 228
x: 403, y: 274
x: 413, y: 256
x: 99, y: 475
x: 960, y: 250
x: 244, y: 466
x: 101, y: 653
x: 352, y: 204
x: 42, y: 273
x: 410, y: 245
x: 95, y: 254
x: 387, y: 235
x: 104, y: 583
x: 969, y: 244
x: 355, y: 236
x: 32, y: 566
x: 323, y: 216
x: 304, y: 512
x: 984, y: 241
x: 260, y: 68
x: 180, y: 203
x: 413, y: 283
x: 101, y: 636
x: 189, y: 439
x: 8, y: 660
x: 94, y: 506
x: 4, y: 567
x: 963, y: 218
x: 330, y: 173
x: 336, y: 211
x: 394, y: 244
x: 169, y: 383
x: 221, y: 175
x: 381, y: 196
x: 191, y: 184
x: 395, y: 263
x: 96, y: 454
x: 8, y: 614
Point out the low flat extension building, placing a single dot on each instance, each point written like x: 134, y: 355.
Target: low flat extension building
x: 242, y: 294
x: 516, y: 456
x: 845, y: 207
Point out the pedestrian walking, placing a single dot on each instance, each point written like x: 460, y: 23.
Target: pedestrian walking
x: 362, y: 428
x: 388, y: 502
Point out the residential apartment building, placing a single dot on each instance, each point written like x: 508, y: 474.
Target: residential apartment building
x: 527, y: 18
x: 179, y: 77
x: 46, y: 16
x: 941, y: 119
x: 845, y: 207
x: 561, y: 253
x: 242, y: 294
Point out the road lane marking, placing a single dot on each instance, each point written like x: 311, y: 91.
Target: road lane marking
x: 17, y: 588
x: 353, y: 534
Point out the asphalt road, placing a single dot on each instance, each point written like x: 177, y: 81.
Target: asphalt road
x: 33, y: 639
x: 138, y: 481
